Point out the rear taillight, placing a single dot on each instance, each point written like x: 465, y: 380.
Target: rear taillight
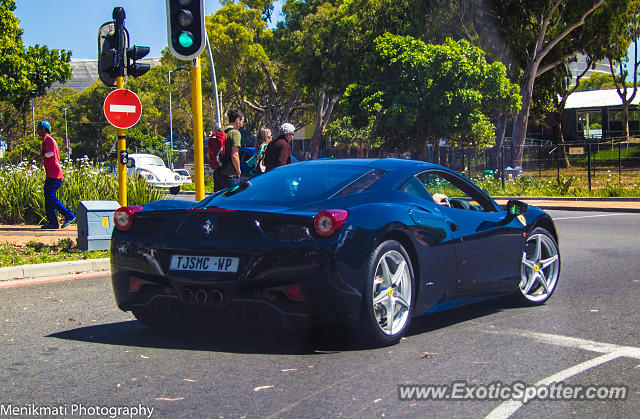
x: 123, y: 217
x: 328, y: 222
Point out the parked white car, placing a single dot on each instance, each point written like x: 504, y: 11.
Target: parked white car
x: 185, y: 176
x: 154, y: 171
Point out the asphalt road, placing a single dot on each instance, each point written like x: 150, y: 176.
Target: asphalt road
x: 66, y: 344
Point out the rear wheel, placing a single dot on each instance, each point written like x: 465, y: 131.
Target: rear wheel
x: 175, y: 190
x: 540, y: 268
x: 389, y: 295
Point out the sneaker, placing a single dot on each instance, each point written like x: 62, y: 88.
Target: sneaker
x: 66, y: 223
x: 49, y: 227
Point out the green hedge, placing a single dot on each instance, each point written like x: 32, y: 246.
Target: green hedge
x: 23, y: 200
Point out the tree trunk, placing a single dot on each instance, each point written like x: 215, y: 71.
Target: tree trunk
x: 522, y: 120
x: 625, y: 119
x: 326, y: 104
x: 557, y: 134
x: 501, y: 130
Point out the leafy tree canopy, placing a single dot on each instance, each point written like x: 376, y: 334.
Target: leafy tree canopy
x: 421, y: 92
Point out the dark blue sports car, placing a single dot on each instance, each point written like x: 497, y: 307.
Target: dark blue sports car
x: 366, y: 244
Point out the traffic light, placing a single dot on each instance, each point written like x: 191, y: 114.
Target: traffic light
x: 185, y: 28
x: 108, y: 60
x: 134, y: 53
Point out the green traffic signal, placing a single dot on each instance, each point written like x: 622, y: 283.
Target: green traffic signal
x: 185, y: 39
x: 185, y: 28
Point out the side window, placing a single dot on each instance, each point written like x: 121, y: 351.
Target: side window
x: 459, y: 193
x: 415, y: 188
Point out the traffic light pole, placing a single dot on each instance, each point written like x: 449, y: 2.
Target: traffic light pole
x: 196, y: 110
x: 122, y: 167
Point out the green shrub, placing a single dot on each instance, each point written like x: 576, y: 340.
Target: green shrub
x: 23, y: 200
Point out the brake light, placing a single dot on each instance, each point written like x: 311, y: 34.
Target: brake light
x: 123, y: 217
x: 328, y: 222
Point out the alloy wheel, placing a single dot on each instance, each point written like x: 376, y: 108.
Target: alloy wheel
x: 392, y: 292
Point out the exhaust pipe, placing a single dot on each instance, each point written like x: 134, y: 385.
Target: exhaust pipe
x: 201, y: 296
x: 216, y: 297
x: 187, y: 295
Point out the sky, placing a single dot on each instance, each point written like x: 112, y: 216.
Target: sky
x: 73, y: 24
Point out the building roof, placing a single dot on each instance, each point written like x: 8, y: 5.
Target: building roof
x: 597, y: 99
x: 85, y: 72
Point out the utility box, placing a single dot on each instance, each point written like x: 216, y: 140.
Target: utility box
x: 95, y: 224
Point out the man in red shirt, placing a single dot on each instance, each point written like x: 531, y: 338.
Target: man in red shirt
x: 51, y: 161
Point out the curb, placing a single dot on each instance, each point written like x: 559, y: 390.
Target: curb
x: 54, y: 268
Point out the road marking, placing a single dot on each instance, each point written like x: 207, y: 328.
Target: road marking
x: 571, y: 342
x: 508, y: 408
x: 122, y: 108
x: 610, y: 351
x: 590, y: 216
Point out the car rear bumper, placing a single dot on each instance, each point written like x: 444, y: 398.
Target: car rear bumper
x: 255, y: 295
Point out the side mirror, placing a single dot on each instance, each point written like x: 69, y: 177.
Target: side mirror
x: 515, y: 208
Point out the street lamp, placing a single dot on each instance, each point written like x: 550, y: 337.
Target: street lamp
x: 66, y: 136
x: 180, y: 67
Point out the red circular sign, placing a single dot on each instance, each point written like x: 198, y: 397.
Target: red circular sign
x: 122, y: 108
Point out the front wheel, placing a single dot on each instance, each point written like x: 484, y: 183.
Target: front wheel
x: 175, y: 190
x: 388, y: 299
x: 540, y: 268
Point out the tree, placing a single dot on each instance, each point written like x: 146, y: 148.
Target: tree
x: 26, y: 73
x: 419, y: 93
x: 536, y: 28
x: 597, y: 81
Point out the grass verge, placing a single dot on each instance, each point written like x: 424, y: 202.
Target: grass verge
x: 35, y: 252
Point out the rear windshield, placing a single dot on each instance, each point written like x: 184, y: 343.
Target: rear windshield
x: 291, y: 185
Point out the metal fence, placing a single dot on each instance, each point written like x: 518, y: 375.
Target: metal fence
x: 597, y: 162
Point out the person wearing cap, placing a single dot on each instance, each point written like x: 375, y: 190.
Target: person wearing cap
x: 53, y: 171
x: 278, y: 151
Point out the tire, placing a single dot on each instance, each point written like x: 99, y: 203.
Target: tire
x: 175, y: 190
x: 389, y: 288
x: 540, y: 269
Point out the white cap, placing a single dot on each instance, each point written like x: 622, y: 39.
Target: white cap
x: 287, y: 128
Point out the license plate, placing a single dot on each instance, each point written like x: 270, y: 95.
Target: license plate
x: 204, y: 263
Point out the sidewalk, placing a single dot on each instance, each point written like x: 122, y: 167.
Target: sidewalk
x: 22, y: 234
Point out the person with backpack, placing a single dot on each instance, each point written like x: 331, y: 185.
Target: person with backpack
x: 278, y: 152
x: 227, y: 173
x: 256, y: 162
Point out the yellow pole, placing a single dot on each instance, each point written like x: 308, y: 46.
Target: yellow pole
x: 122, y: 168
x: 196, y: 111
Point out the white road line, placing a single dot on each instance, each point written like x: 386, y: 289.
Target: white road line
x: 570, y: 342
x: 590, y: 216
x: 610, y: 351
x: 508, y: 408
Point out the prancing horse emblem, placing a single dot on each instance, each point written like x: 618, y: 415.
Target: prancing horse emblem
x: 207, y: 227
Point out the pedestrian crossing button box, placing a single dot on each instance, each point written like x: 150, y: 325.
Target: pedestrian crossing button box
x: 95, y: 224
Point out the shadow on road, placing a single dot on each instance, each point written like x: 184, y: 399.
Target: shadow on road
x: 133, y: 333
x: 251, y: 340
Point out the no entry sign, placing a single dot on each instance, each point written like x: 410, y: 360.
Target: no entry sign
x: 122, y: 108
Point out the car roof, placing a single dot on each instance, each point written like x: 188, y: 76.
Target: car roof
x: 386, y: 164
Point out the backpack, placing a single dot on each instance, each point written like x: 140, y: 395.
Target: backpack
x: 216, y: 149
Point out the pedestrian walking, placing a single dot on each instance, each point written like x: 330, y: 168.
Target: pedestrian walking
x: 53, y: 171
x: 278, y: 151
x: 256, y: 163
x: 228, y: 174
